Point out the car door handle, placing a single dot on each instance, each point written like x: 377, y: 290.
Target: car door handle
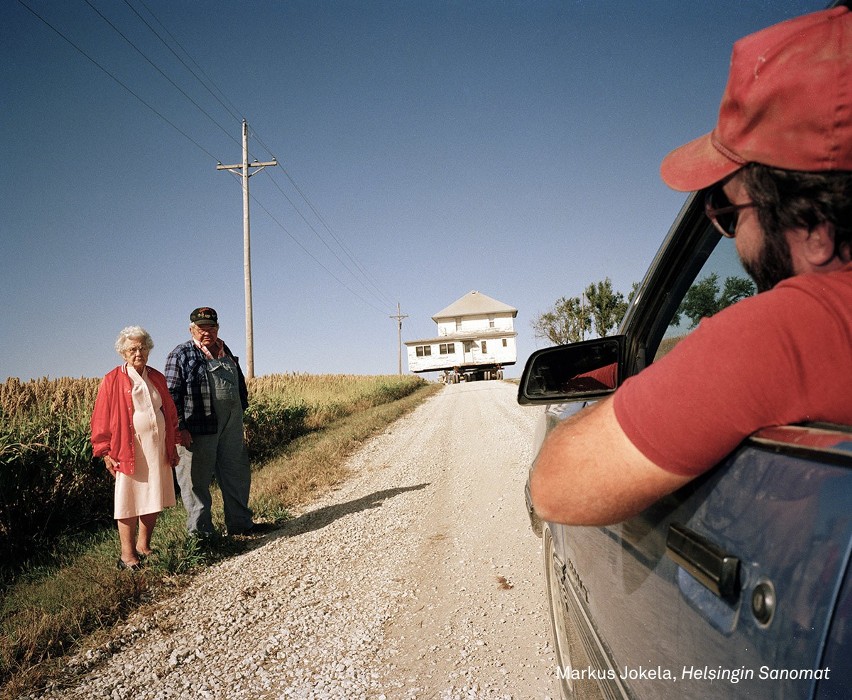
x: 708, y: 563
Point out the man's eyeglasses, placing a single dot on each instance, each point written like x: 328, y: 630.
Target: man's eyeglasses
x: 721, y: 212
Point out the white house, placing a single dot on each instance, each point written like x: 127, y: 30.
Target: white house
x: 476, y: 338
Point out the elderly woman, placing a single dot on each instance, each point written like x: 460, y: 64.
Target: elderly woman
x: 134, y: 429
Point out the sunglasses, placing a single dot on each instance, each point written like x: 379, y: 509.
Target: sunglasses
x: 721, y: 212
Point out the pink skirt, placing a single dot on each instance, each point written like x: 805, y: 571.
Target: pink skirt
x: 151, y: 487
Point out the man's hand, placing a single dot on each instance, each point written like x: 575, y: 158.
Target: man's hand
x: 589, y: 473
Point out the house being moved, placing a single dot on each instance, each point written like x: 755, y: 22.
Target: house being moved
x: 476, y: 339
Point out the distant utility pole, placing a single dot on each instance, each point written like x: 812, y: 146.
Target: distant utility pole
x: 399, y: 316
x: 243, y: 170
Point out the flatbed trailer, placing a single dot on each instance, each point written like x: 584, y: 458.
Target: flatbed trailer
x: 472, y: 373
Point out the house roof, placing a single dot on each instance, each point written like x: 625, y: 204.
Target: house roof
x: 475, y: 304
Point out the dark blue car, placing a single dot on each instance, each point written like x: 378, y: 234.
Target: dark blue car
x: 736, y: 586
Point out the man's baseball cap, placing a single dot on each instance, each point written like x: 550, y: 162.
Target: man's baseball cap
x: 204, y: 316
x: 787, y: 104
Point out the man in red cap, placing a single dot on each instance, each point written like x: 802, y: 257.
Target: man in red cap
x: 777, y: 175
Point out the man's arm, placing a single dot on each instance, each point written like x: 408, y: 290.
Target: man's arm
x: 177, y: 389
x: 589, y: 473
x: 175, y: 382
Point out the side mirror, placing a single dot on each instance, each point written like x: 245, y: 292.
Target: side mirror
x: 582, y: 371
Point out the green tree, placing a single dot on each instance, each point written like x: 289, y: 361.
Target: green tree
x: 735, y: 289
x: 567, y: 322
x: 705, y: 298
x: 633, y: 290
x: 572, y: 318
x: 606, y: 307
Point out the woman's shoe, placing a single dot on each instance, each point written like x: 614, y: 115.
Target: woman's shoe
x: 121, y: 564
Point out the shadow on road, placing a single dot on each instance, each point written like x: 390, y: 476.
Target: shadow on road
x: 318, y: 519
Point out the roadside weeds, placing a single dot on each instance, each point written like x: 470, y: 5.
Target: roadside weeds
x: 77, y: 596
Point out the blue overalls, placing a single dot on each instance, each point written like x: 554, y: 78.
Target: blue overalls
x: 222, y: 454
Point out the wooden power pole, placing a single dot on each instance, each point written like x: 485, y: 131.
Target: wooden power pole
x: 242, y: 169
x: 399, y: 316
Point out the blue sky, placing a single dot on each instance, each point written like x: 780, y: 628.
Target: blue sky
x: 429, y: 148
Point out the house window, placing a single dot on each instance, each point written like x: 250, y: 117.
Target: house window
x: 484, y: 346
x: 447, y: 348
x: 491, y: 322
x: 424, y: 350
x: 458, y: 324
x: 505, y: 343
x: 468, y: 345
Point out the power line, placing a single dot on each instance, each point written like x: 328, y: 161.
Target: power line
x: 378, y: 293
x: 232, y: 110
x: 161, y: 72
x: 322, y: 239
x: 327, y: 228
x: 313, y: 257
x: 117, y: 80
x: 298, y: 211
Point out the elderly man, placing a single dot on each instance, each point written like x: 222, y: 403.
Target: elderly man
x: 209, y: 390
x: 776, y: 175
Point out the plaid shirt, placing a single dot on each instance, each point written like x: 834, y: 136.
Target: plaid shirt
x: 186, y: 377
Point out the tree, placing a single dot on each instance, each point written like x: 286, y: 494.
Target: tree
x: 567, y: 322
x: 633, y: 290
x: 606, y: 307
x: 703, y: 299
x: 736, y: 288
x: 571, y: 319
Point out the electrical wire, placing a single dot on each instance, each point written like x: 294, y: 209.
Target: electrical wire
x: 118, y: 81
x: 377, y: 293
x: 161, y: 72
x: 230, y: 108
x: 311, y: 255
x: 321, y: 238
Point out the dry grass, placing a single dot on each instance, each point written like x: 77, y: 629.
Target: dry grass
x: 667, y: 345
x: 315, y: 462
x: 22, y: 402
x: 329, y: 397
x: 75, y: 591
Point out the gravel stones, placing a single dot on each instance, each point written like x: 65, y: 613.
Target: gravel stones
x: 418, y: 578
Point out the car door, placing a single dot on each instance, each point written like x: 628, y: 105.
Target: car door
x: 727, y: 587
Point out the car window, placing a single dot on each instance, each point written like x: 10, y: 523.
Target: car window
x: 720, y: 282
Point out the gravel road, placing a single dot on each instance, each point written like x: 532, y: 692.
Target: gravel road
x: 418, y: 578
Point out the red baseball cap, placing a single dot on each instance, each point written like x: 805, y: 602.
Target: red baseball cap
x: 787, y: 104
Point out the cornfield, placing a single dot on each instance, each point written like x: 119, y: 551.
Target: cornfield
x: 51, y: 484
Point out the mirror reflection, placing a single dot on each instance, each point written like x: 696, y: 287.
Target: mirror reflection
x: 574, y: 372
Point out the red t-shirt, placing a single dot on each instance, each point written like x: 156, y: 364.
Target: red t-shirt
x: 781, y: 357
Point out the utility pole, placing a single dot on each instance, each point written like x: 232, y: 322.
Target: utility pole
x: 399, y: 316
x: 242, y: 169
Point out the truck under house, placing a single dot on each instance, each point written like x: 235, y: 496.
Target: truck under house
x: 476, y: 339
